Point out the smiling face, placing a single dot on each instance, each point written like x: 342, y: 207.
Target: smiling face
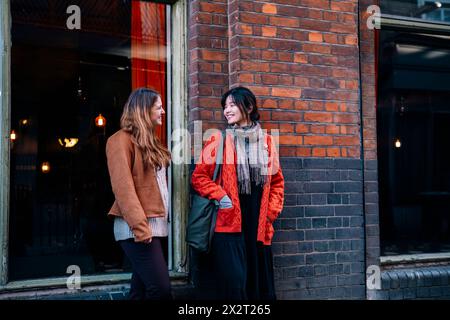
x: 233, y: 113
x: 157, y: 112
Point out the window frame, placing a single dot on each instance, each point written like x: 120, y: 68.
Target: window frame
x: 5, y: 127
x: 413, y: 19
x: 412, y: 24
x: 178, y: 175
x: 400, y: 23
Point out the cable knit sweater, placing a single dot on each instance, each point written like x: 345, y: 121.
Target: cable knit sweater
x: 158, y: 225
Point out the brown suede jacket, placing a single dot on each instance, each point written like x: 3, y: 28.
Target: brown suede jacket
x: 135, y: 189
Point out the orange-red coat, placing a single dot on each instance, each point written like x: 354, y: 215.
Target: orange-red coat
x: 229, y: 220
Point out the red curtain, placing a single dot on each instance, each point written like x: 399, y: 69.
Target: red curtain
x: 148, y: 51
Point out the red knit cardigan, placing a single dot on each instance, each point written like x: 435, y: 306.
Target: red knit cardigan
x: 229, y: 220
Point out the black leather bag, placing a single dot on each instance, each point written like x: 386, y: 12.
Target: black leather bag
x: 203, y: 214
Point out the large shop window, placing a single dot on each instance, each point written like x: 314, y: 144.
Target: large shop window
x: 438, y: 11
x: 413, y: 119
x: 69, y: 86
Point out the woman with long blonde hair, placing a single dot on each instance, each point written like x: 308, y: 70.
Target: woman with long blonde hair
x: 137, y: 163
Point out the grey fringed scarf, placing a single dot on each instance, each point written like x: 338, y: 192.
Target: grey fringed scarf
x: 252, y: 156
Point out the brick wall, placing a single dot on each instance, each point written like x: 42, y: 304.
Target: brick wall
x: 301, y: 59
x: 208, y: 60
x: 319, y: 247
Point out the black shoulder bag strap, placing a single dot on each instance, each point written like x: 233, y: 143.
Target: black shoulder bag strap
x: 217, y: 169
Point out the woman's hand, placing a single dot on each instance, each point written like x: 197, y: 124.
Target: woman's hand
x: 147, y: 241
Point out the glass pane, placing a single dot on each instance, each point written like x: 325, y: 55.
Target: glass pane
x: 419, y: 9
x: 63, y: 79
x: 413, y: 119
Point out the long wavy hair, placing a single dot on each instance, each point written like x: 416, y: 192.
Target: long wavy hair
x: 136, y: 119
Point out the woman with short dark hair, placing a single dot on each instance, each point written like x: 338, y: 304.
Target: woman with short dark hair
x: 250, y: 191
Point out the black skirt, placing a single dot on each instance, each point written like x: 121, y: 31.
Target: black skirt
x: 238, y: 267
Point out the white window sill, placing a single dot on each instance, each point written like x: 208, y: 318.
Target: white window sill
x: 415, y: 258
x: 88, y: 280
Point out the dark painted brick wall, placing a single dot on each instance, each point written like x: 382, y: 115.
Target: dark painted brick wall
x: 418, y: 283
x: 371, y: 212
x: 319, y: 240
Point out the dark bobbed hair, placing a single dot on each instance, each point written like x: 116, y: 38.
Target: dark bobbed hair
x: 245, y: 100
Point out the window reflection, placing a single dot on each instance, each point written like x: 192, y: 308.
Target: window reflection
x: 418, y: 9
x: 62, y: 81
x: 414, y: 176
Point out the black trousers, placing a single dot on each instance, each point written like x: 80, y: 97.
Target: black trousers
x: 150, y: 278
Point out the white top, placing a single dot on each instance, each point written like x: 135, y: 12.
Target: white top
x: 159, y: 225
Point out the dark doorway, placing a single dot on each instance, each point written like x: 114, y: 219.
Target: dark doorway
x: 413, y: 125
